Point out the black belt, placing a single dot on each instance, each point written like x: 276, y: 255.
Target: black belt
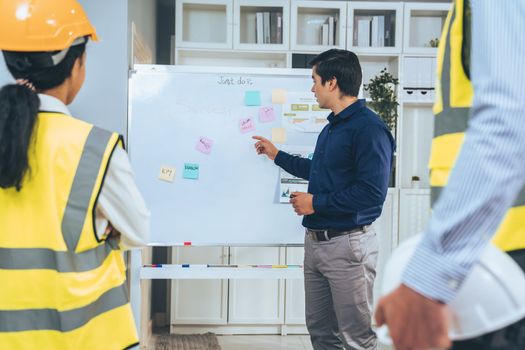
x: 326, y: 235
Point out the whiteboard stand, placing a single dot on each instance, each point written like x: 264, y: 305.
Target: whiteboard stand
x: 138, y: 273
x: 170, y: 110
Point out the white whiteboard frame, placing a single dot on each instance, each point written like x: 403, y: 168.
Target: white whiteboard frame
x: 163, y: 69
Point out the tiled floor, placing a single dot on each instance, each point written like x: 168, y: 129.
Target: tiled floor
x: 264, y: 342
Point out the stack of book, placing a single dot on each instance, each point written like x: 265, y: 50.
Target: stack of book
x: 374, y: 31
x: 269, y: 27
x: 328, y: 31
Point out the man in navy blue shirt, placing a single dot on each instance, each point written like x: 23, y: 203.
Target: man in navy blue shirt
x: 348, y: 181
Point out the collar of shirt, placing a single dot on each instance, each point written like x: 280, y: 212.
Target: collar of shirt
x: 347, y: 112
x: 52, y: 104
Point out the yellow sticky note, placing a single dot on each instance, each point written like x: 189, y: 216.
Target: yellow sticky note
x: 279, y: 96
x: 278, y: 135
x: 167, y: 173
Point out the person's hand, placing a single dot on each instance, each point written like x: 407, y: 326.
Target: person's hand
x: 302, y: 203
x: 265, y: 146
x: 111, y: 231
x: 414, y: 321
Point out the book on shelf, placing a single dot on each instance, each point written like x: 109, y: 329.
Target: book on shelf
x: 374, y: 32
x: 378, y: 31
x: 331, y: 30
x: 363, y: 32
x: 324, y: 34
x: 266, y: 27
x: 279, y: 34
x: 390, y: 25
x: 381, y: 31
x: 251, y: 33
x: 273, y: 27
x: 370, y: 31
x: 259, y: 30
x: 328, y: 31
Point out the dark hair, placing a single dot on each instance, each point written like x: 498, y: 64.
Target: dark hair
x: 342, y: 65
x: 19, y: 106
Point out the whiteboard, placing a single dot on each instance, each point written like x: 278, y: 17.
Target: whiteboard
x: 235, y: 200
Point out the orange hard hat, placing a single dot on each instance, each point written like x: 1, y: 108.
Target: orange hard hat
x: 42, y: 25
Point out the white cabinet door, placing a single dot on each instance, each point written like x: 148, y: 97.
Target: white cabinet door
x: 416, y: 132
x: 256, y: 301
x: 199, y: 301
x: 386, y: 230
x: 294, y: 313
x: 414, y: 212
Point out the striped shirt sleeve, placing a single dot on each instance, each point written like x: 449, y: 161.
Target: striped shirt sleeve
x: 490, y: 170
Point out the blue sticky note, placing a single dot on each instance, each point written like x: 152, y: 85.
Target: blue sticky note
x: 252, y: 98
x: 191, y: 171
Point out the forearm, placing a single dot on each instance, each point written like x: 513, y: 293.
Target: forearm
x: 121, y: 203
x: 489, y: 171
x: 297, y: 166
x: 358, y: 197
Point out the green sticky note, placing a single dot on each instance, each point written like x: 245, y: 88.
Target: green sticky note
x: 191, y: 171
x: 252, y: 98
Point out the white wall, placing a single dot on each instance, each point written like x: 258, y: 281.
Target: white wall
x: 143, y: 14
x: 103, y: 99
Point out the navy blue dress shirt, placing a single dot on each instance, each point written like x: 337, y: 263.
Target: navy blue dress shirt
x: 349, y: 172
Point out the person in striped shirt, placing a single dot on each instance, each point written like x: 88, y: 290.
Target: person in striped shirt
x: 488, y: 179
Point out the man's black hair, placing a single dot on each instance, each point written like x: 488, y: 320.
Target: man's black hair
x: 342, y: 65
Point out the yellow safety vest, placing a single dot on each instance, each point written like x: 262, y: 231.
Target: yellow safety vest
x: 454, y: 94
x: 61, y: 287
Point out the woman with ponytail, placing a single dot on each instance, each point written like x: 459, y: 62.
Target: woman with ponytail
x: 68, y: 201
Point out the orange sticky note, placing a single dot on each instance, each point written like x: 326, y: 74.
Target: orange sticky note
x: 279, y: 96
x: 278, y: 135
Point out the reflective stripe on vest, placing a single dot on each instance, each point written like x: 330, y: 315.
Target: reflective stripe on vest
x: 454, y: 94
x: 71, y: 292
x: 83, y: 186
x: 62, y: 321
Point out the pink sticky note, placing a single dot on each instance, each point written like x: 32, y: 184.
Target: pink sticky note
x: 246, y: 125
x: 266, y: 114
x: 204, y: 145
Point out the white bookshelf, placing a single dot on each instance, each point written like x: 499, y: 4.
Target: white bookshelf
x: 363, y: 15
x: 310, y: 21
x: 223, y: 33
x: 423, y: 23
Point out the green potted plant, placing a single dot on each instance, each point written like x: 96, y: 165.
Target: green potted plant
x: 382, y: 90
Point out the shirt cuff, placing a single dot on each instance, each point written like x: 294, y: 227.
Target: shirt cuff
x: 280, y: 158
x: 319, y: 202
x: 430, y: 274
